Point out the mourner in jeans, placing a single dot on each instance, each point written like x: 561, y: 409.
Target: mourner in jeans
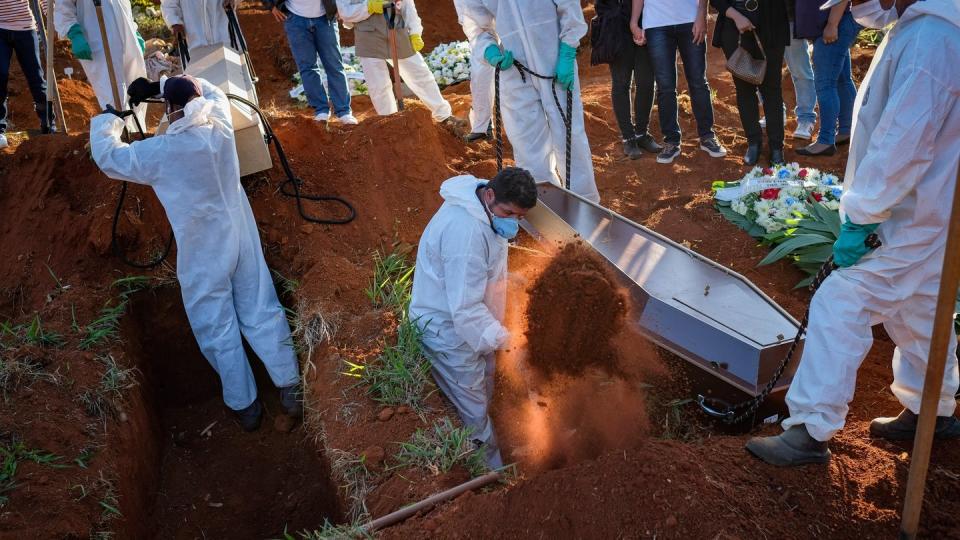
x: 630, y: 65
x: 670, y: 26
x: 741, y: 23
x: 18, y: 34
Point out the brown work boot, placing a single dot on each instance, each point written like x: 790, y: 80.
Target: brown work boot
x: 791, y: 448
x: 904, y: 426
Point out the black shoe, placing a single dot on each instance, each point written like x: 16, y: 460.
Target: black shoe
x: 828, y: 151
x: 776, y: 157
x: 713, y: 147
x: 473, y: 136
x: 843, y: 140
x: 250, y: 417
x: 630, y: 149
x: 753, y: 154
x: 669, y: 153
x: 647, y: 143
x: 904, y: 426
x: 291, y: 399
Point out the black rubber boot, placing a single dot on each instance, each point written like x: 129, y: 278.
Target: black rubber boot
x: 791, y: 448
x: 291, y: 399
x: 250, y: 417
x: 904, y: 426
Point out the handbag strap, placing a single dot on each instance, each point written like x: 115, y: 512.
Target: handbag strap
x: 759, y: 45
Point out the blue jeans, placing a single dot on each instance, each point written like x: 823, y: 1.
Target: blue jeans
x: 663, y: 43
x: 309, y: 39
x: 835, y: 89
x: 27, y: 47
x: 797, y: 56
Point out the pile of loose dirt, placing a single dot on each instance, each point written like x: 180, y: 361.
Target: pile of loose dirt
x: 575, y: 310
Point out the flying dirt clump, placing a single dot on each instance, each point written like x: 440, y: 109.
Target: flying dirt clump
x: 575, y: 310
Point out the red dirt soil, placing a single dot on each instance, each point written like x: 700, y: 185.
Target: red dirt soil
x: 56, y: 210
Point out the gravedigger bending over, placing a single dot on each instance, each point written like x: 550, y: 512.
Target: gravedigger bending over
x: 542, y: 35
x: 459, y: 290
x: 900, y: 180
x: 226, y: 285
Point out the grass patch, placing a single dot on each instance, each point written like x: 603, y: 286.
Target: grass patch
x: 106, y: 399
x: 679, y: 421
x: 107, y: 326
x: 329, y: 531
x: 440, y: 448
x: 12, y: 453
x: 392, y: 282
x: 17, y: 371
x: 354, y: 479
x: 33, y: 334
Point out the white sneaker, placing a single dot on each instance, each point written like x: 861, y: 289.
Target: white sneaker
x: 348, y: 119
x: 3, y: 141
x: 322, y: 117
x: 804, y: 130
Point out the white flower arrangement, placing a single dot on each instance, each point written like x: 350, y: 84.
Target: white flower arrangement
x: 450, y: 62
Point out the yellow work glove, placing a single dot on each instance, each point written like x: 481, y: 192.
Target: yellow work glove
x: 375, y: 6
x: 416, y: 41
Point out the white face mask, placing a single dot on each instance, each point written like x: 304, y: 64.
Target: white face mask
x: 872, y: 15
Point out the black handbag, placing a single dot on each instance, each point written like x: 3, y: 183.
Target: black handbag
x: 609, y: 35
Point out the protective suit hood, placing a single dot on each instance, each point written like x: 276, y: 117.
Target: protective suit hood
x: 945, y: 9
x: 462, y: 191
x: 196, y: 113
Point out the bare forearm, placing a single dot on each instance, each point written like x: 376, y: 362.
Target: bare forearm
x: 635, y: 12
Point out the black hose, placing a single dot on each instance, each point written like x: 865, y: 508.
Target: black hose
x: 292, y: 179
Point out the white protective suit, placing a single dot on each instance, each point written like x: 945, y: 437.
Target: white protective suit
x: 532, y: 30
x: 481, y: 76
x: 413, y: 70
x: 901, y: 173
x: 128, y: 63
x: 459, y: 297
x: 204, y: 21
x: 226, y: 285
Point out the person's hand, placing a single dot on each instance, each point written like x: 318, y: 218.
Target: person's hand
x: 141, y: 43
x: 495, y: 57
x: 743, y: 24
x: 566, y: 66
x: 851, y: 245
x: 177, y: 30
x: 278, y: 15
x: 416, y: 42
x: 699, y: 30
x: 639, y: 36
x: 141, y: 90
x: 830, y: 33
x: 375, y: 7
x: 79, y: 43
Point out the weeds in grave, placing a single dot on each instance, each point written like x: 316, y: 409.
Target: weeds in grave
x: 356, y: 481
x: 107, y: 326
x: 330, y: 531
x: 16, y: 371
x: 310, y: 327
x: 400, y: 375
x: 288, y: 286
x: 83, y: 458
x: 31, y: 334
x: 106, y: 399
x: 392, y: 283
x: 12, y: 453
x: 678, y: 423
x: 441, y: 447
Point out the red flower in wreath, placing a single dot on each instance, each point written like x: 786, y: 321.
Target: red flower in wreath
x: 802, y: 174
x: 768, y: 171
x: 817, y: 196
x: 770, y: 194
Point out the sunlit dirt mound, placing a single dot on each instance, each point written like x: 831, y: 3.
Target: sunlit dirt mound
x: 575, y: 310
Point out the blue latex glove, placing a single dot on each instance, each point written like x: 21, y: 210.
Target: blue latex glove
x: 566, y: 67
x: 142, y: 44
x: 494, y: 56
x: 851, y: 245
x: 79, y: 44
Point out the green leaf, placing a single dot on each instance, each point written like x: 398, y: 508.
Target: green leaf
x: 794, y: 243
x: 804, y: 283
x: 827, y: 216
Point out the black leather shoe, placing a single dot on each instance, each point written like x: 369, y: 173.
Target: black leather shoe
x: 648, y: 144
x: 753, y: 155
x: 776, y: 157
x: 827, y: 151
x: 474, y: 136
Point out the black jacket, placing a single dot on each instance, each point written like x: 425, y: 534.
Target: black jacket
x: 610, y: 30
x: 771, y: 20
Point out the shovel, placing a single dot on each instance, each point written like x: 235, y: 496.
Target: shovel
x: 53, y: 92
x: 117, y: 102
x: 390, y: 14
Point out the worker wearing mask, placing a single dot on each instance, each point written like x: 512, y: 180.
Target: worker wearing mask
x: 900, y: 180
x: 371, y: 39
x: 481, y: 82
x: 226, y: 285
x: 200, y: 22
x: 459, y: 290
x: 77, y: 20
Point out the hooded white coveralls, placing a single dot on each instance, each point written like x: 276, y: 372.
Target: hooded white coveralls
x: 204, y: 21
x: 413, y: 70
x: 459, y: 297
x: 532, y: 30
x: 226, y: 285
x: 128, y: 63
x: 481, y: 76
x: 901, y: 173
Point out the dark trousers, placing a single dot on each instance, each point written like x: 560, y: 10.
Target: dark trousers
x: 632, y: 67
x: 26, y: 45
x: 664, y: 42
x: 770, y: 89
